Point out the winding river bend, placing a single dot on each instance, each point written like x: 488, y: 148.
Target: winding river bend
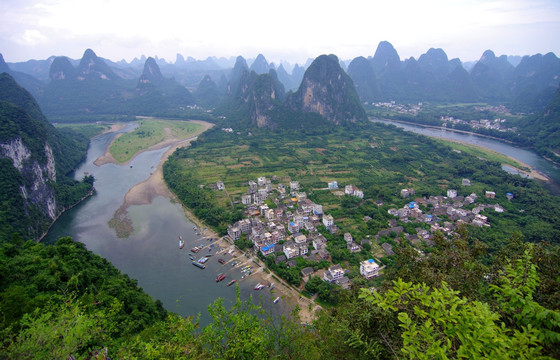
x: 528, y: 157
x: 151, y: 254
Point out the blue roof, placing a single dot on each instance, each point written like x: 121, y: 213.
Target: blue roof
x: 510, y: 194
x: 371, y: 261
x: 268, y: 247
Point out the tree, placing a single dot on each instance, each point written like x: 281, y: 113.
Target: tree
x: 437, y: 323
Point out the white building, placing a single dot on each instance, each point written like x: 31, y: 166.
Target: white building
x: 369, y: 269
x: 234, y: 232
x: 246, y: 199
x: 451, y: 193
x: 334, y: 273
x: 333, y: 185
x: 328, y: 220
x: 294, y: 185
x: 261, y: 181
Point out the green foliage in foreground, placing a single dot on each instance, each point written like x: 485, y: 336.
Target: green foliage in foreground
x: 438, y: 324
x: 62, y: 301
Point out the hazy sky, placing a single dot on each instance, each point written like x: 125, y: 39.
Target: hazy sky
x: 281, y: 30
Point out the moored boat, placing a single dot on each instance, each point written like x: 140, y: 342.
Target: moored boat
x: 198, y: 265
x: 231, y: 282
x: 258, y: 286
x: 202, y: 260
x: 277, y: 299
x: 195, y: 249
x: 221, y: 261
x: 220, y: 277
x: 181, y: 244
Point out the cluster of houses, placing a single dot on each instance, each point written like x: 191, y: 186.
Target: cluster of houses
x: 266, y: 228
x: 496, y: 124
x: 457, y: 210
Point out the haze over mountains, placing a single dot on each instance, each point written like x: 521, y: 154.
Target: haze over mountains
x: 150, y: 86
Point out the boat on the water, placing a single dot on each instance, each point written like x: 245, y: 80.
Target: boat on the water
x: 231, y: 282
x: 190, y: 257
x: 277, y: 299
x: 203, y: 259
x: 181, y: 244
x: 258, y: 286
x: 221, y: 261
x: 220, y: 277
x: 199, y: 265
x: 195, y: 249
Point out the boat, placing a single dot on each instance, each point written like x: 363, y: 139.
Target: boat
x: 203, y: 259
x: 271, y: 286
x: 191, y: 257
x: 195, y: 249
x: 258, y: 286
x: 276, y: 300
x: 221, y: 261
x: 220, y: 277
x: 231, y: 282
x: 180, y: 237
x: 181, y: 244
x: 198, y: 265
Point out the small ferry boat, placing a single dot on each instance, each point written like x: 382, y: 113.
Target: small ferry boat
x: 277, y: 299
x: 220, y: 277
x: 198, y: 265
x: 231, y: 282
x: 221, y: 261
x: 258, y: 286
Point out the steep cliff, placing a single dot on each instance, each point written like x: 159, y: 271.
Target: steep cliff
x: 34, y: 188
x: 328, y: 91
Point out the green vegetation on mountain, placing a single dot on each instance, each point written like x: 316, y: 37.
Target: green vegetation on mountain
x: 62, y: 301
x: 36, y: 162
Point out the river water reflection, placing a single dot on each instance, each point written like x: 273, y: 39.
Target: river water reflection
x: 151, y: 254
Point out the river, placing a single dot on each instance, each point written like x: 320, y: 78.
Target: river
x: 151, y: 254
x: 537, y: 162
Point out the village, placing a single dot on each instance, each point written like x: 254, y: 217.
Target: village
x: 288, y: 229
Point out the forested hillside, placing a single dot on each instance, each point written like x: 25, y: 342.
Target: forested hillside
x: 36, y: 161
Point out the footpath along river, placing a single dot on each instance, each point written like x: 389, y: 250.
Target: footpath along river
x: 528, y: 157
x: 151, y: 253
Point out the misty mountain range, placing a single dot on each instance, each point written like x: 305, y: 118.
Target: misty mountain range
x: 65, y: 86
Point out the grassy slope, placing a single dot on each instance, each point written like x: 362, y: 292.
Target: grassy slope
x: 149, y: 133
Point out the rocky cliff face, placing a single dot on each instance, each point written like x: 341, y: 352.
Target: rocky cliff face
x: 36, y: 190
x: 262, y: 94
x: 328, y: 91
x: 33, y: 156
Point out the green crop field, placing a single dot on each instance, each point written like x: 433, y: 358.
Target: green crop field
x: 149, y: 133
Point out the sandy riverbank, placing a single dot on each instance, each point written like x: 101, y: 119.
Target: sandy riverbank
x: 532, y: 173
x: 144, y: 192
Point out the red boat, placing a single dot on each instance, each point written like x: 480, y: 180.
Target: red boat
x: 220, y: 277
x: 221, y: 261
x: 195, y: 249
x: 231, y: 282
